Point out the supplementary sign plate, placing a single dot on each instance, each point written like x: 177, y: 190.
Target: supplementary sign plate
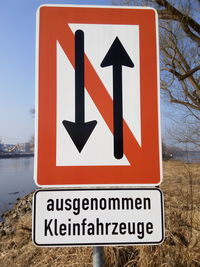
x: 97, y: 217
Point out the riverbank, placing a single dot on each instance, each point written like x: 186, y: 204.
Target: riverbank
x: 16, y: 179
x: 181, y: 187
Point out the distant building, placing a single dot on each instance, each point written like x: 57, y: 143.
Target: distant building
x: 1, y: 147
x: 27, y: 147
x: 17, y: 148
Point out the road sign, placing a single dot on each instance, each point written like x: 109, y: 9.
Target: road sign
x: 97, y: 107
x: 95, y: 217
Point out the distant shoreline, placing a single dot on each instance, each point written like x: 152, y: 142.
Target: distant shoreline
x: 15, y: 155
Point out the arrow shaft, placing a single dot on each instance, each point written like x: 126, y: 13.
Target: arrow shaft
x: 79, y: 131
x: 118, y: 111
x: 117, y: 57
x: 79, y: 77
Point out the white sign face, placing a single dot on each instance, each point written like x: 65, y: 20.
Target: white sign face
x: 97, y: 41
x: 98, y: 217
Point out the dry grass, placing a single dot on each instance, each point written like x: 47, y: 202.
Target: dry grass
x: 181, y: 187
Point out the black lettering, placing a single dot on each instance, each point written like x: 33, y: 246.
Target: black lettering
x: 127, y: 203
x: 94, y: 204
x: 68, y: 204
x: 114, y: 232
x: 69, y: 226
x: 99, y: 227
x: 131, y: 231
x: 76, y: 206
x: 140, y: 230
x: 83, y: 225
x: 63, y: 228
x: 107, y: 224
x: 147, y: 203
x: 90, y: 229
x: 113, y: 203
x: 47, y: 227
x: 50, y: 205
x: 149, y: 228
x: 102, y: 204
x: 59, y: 207
x: 122, y: 228
x: 56, y: 227
x: 138, y: 203
x: 76, y: 229
x: 85, y: 204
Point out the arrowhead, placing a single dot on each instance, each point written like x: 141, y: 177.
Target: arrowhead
x: 117, y: 55
x: 79, y: 132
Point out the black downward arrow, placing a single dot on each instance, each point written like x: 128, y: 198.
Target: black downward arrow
x: 117, y: 57
x: 79, y: 130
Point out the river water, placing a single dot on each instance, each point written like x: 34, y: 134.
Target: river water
x: 16, y: 177
x: 16, y: 180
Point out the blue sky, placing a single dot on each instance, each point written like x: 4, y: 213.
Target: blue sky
x: 17, y: 65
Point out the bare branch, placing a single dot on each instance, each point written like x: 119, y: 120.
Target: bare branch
x: 182, y: 77
x: 186, y: 75
x: 171, y: 13
x: 187, y: 104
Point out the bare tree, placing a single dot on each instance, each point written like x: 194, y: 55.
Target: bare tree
x: 32, y: 112
x: 179, y: 50
x: 179, y: 57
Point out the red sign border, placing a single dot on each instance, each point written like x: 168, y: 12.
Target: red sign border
x: 146, y: 168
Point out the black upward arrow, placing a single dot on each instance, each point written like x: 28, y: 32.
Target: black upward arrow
x: 117, y: 57
x: 79, y: 130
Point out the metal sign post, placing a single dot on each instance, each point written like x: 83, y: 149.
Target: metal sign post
x: 98, y: 256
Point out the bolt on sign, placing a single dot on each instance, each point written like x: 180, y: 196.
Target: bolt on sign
x: 97, y: 107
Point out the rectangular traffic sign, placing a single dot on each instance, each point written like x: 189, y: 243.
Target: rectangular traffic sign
x: 97, y: 107
x: 98, y: 217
